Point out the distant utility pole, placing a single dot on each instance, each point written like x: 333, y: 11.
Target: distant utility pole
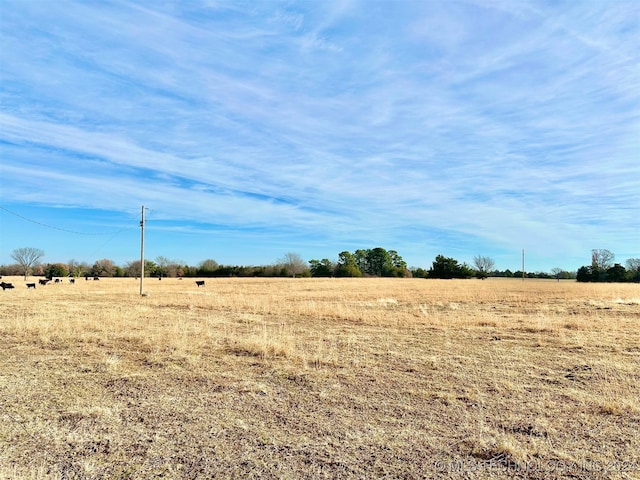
x: 142, y: 250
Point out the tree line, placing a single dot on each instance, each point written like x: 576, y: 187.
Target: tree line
x: 374, y: 262
x: 604, y: 269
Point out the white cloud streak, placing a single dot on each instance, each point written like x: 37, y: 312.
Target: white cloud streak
x: 488, y: 124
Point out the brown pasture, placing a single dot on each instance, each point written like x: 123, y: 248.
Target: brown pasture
x: 320, y: 378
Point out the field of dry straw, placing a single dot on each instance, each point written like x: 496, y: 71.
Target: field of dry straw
x: 320, y: 378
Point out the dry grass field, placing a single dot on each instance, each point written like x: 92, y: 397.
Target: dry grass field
x: 320, y: 378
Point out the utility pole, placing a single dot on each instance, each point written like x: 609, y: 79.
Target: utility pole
x: 142, y: 250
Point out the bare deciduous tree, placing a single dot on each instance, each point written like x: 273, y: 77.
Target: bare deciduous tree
x: 557, y: 271
x: 103, y: 268
x: 77, y: 269
x: 602, y: 258
x: 132, y: 269
x: 484, y: 265
x: 27, y: 257
x: 162, y: 264
x: 633, y: 263
x: 293, y: 263
x: 207, y: 267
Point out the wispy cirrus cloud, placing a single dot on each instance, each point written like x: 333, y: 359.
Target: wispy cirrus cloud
x: 471, y: 126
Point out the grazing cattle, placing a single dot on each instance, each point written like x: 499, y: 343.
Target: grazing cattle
x: 72, y: 280
x: 6, y: 285
x: 57, y: 280
x: 31, y: 285
x: 200, y: 283
x: 43, y: 281
x: 96, y: 278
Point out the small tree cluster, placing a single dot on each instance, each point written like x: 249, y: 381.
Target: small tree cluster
x: 374, y: 262
x: 447, y: 267
x: 105, y: 268
x: 322, y: 268
x: 603, y: 269
x: 56, y: 270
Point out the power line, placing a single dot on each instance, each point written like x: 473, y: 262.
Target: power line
x: 64, y: 229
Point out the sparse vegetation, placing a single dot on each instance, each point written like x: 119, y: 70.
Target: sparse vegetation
x: 321, y: 378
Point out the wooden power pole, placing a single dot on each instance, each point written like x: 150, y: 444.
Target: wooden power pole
x: 142, y: 251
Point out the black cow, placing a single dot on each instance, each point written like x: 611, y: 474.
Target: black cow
x: 200, y: 283
x: 43, y: 281
x: 31, y: 285
x: 57, y: 280
x: 72, y: 280
x: 96, y: 278
x: 6, y: 285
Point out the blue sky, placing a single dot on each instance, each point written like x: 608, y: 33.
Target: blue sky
x: 251, y: 129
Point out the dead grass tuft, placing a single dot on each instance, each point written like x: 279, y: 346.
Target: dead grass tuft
x: 502, y: 450
x: 262, y: 348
